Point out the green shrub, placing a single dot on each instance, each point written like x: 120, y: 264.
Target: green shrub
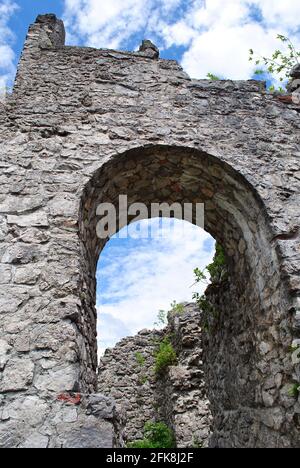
x: 197, y: 444
x: 213, y: 77
x: 218, y: 272
x: 143, y: 379
x: 156, y: 435
x: 217, y: 269
x: 140, y: 359
x: 139, y: 444
x: 162, y: 316
x: 218, y: 265
x: 280, y: 63
x: 165, y: 356
x: 162, y: 319
x: 177, y: 308
x: 294, y: 390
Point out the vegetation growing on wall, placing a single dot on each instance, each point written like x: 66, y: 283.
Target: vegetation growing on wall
x: 294, y: 390
x: 280, y: 63
x: 162, y: 316
x: 140, y: 359
x: 156, y: 435
x: 165, y: 356
x: 218, y: 268
x: 213, y: 77
x: 218, y: 272
x: 277, y: 67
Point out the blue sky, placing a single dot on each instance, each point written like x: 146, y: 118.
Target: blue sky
x: 138, y: 277
x: 204, y: 35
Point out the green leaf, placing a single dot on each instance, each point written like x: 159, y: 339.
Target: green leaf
x: 213, y: 77
x: 259, y: 72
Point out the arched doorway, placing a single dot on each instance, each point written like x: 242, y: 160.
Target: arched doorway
x: 148, y: 268
x: 246, y: 364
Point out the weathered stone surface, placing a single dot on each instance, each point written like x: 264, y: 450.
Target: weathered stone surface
x: 295, y: 73
x: 177, y: 397
x: 294, y: 85
x: 101, y: 436
x: 5, y: 274
x: 84, y: 126
x: 61, y: 423
x: 37, y: 219
x: 101, y: 406
x: 17, y: 375
x: 148, y: 49
x: 35, y: 440
x: 4, y: 350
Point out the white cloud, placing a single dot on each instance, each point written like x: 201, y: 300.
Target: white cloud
x: 227, y: 32
x: 225, y: 51
x: 111, y: 330
x: 280, y: 14
x: 7, y: 55
x: 138, y: 278
x: 111, y: 24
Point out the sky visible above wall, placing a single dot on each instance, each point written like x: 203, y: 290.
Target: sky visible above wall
x: 204, y: 35
x: 214, y: 36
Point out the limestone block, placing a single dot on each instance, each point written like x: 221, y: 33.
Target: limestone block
x: 36, y: 219
x: 57, y: 380
x: 5, y: 274
x: 4, y: 353
x: 17, y: 375
x: 35, y: 441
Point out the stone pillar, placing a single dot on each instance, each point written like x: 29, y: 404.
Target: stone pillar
x: 46, y: 373
x: 48, y: 32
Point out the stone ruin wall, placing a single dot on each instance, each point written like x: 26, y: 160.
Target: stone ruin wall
x: 177, y: 397
x: 82, y: 124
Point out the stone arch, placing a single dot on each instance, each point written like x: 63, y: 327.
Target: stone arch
x: 249, y: 313
x: 75, y: 110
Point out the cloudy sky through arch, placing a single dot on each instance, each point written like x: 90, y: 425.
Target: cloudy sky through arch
x: 140, y: 275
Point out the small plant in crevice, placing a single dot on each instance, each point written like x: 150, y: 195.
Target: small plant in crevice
x: 294, y: 348
x: 162, y: 316
x: 280, y: 63
x: 213, y: 77
x: 156, y: 435
x: 177, y: 308
x: 197, y: 444
x: 143, y: 379
x: 294, y: 390
x: 218, y: 271
x: 208, y: 310
x: 140, y: 359
x: 218, y: 268
x: 205, y: 305
x: 165, y: 356
x: 162, y: 319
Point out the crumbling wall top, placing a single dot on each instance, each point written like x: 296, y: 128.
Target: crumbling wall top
x: 47, y: 32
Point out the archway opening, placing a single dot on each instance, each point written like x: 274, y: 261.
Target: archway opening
x: 144, y: 271
x: 236, y: 368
